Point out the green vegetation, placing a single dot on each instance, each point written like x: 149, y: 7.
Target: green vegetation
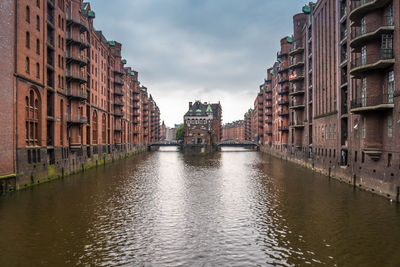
x: 180, y: 133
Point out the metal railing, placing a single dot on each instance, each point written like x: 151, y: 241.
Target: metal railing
x: 387, y: 21
x: 75, y: 74
x: 372, y: 101
x: 77, y: 37
x: 372, y: 58
x: 76, y: 118
x: 75, y: 92
x: 77, y: 19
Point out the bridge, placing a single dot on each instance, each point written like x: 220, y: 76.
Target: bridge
x: 165, y: 143
x: 238, y: 143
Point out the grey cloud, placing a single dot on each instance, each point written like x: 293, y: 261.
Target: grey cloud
x: 198, y: 49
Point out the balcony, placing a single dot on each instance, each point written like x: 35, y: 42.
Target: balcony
x: 295, y: 77
x: 296, y: 63
x: 75, y: 57
x: 281, y: 54
x: 118, y: 102
x: 76, y: 119
x: 119, y: 92
x: 76, y: 75
x: 283, y: 128
x: 268, y: 105
x: 378, y: 61
x: 297, y: 124
x: 76, y: 20
x: 282, y: 80
x: 268, y: 121
x: 119, y: 113
x: 283, y: 91
x: 50, y: 41
x: 118, y: 71
x: 118, y: 81
x: 118, y: 128
x: 283, y: 102
x: 283, y: 68
x: 362, y: 7
x: 77, y: 93
x: 297, y: 91
x: 297, y: 47
x: 76, y: 38
x: 371, y: 31
x: 370, y: 104
x: 297, y: 105
x: 283, y: 113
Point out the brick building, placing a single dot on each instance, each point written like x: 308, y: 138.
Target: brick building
x: 203, y: 124
x: 330, y: 98
x: 233, y: 131
x: 247, y: 125
x: 69, y: 100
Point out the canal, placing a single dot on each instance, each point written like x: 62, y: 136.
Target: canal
x: 234, y: 208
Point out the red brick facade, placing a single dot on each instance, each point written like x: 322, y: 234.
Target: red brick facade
x: 68, y: 97
x: 233, y: 131
x: 331, y: 100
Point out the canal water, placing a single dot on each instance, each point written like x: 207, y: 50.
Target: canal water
x: 234, y: 208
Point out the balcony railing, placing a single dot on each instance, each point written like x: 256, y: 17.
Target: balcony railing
x: 76, y: 75
x: 360, y: 7
x: 75, y: 18
x: 119, y: 112
x: 383, y: 101
x: 77, y: 38
x: 118, y: 91
x: 297, y: 47
x: 297, y: 104
x: 283, y: 102
x: 77, y: 93
x: 296, y: 124
x: 371, y: 59
x: 74, y: 56
x: 297, y: 91
x: 283, y: 128
x: 283, y: 113
x: 76, y: 119
x: 359, y: 35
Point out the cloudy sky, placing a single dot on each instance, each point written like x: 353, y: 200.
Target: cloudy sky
x: 208, y: 50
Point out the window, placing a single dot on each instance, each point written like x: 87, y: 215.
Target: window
x: 387, y: 46
x: 27, y: 40
x: 355, y: 156
x: 362, y: 157
x: 37, y: 71
x: 27, y: 64
x: 364, y: 92
x: 363, y: 55
x: 37, y: 46
x: 94, y: 132
x: 364, y: 121
x: 390, y: 126
x: 389, y: 15
x: 390, y: 159
x: 38, y: 3
x: 32, y: 118
x: 390, y: 86
x: 37, y: 23
x: 28, y: 14
x: 362, y: 27
x: 103, y: 129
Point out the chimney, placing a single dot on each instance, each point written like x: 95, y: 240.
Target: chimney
x: 190, y: 105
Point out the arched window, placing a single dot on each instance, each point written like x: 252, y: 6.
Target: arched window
x: 103, y: 128
x: 94, y: 132
x: 38, y: 3
x: 27, y: 40
x: 32, y: 118
x: 28, y: 14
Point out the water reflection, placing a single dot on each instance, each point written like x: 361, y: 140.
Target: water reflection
x: 234, y: 208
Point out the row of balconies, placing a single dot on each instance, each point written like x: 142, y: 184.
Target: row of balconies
x: 75, y: 18
x: 75, y: 57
